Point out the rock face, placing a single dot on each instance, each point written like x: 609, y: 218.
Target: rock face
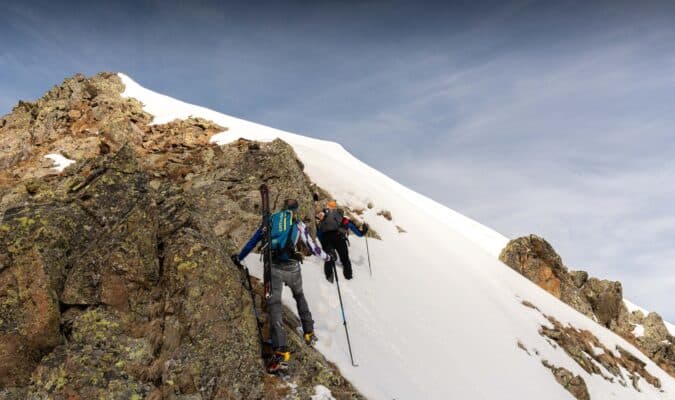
x: 115, y: 280
x: 600, y: 300
x: 535, y: 259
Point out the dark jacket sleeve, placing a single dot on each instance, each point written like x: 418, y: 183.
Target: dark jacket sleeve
x: 257, y: 237
x: 354, y: 229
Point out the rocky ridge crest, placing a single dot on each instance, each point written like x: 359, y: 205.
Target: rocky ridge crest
x: 115, y: 280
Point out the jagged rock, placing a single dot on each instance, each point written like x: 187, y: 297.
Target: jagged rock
x: 606, y: 298
x: 573, y: 384
x: 579, y: 278
x: 584, y: 348
x: 657, y: 342
x: 636, y: 317
x: 654, y: 327
x: 534, y: 258
x: 600, y: 300
x: 125, y: 255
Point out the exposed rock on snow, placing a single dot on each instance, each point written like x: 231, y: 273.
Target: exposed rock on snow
x: 535, y: 259
x: 582, y: 346
x: 573, y: 384
x: 601, y: 300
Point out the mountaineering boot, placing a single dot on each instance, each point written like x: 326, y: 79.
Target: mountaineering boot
x: 310, y: 338
x: 279, y: 362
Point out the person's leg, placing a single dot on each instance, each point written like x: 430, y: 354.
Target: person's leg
x: 329, y: 248
x: 275, y: 309
x: 343, y: 252
x: 295, y: 283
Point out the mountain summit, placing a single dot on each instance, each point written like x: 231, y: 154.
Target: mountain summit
x: 119, y: 209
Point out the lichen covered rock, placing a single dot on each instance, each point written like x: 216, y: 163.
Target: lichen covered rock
x: 115, y: 279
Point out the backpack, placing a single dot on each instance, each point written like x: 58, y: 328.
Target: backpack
x: 332, y: 220
x: 283, y: 235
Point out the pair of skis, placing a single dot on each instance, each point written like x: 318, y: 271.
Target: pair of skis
x: 267, y: 274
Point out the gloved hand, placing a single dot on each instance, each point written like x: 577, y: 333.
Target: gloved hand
x: 235, y: 259
x: 364, y: 228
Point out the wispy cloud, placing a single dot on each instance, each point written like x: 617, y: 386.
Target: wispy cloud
x: 531, y: 117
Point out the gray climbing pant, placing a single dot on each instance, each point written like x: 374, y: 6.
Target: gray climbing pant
x: 287, y: 273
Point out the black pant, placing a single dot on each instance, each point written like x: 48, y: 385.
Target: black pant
x: 332, y: 243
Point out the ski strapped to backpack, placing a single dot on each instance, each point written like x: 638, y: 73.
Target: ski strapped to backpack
x: 267, y: 248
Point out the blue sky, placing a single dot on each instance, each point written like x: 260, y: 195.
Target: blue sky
x: 555, y: 118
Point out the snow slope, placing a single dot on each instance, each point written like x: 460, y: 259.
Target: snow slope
x: 441, y: 316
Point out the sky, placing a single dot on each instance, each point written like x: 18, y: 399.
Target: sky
x: 552, y: 118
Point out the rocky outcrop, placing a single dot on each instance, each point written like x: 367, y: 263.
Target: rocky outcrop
x: 572, y: 383
x: 616, y: 365
x: 535, y: 259
x: 600, y: 300
x: 115, y: 279
x: 655, y: 340
x: 591, y: 355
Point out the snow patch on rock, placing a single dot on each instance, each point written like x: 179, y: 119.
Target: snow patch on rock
x: 60, y: 161
x: 322, y: 393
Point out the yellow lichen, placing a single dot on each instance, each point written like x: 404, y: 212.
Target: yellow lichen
x: 187, y: 266
x: 26, y: 222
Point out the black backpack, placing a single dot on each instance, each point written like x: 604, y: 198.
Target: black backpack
x: 332, y: 220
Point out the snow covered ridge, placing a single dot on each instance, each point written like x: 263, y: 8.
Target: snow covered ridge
x: 316, y: 155
x: 441, y: 317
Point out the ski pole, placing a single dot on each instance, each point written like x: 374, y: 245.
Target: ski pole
x: 344, y: 319
x: 255, y: 311
x: 258, y: 323
x: 368, y: 252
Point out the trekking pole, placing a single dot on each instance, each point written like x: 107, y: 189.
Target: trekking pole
x: 368, y: 252
x: 258, y: 322
x: 344, y: 319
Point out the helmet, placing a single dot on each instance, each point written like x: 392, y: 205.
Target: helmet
x: 331, y: 204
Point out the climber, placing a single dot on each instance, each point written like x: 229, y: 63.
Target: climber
x: 285, y: 269
x: 332, y: 230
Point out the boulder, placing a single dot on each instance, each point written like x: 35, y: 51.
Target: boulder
x: 534, y: 258
x: 606, y: 299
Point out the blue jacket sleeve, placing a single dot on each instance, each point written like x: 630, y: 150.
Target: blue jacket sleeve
x: 257, y: 237
x: 354, y: 229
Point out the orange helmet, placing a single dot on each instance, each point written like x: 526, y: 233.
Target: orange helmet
x: 331, y: 204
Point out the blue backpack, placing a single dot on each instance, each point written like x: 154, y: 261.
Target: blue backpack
x: 283, y: 234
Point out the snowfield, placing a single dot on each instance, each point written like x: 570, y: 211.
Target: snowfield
x: 441, y: 317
